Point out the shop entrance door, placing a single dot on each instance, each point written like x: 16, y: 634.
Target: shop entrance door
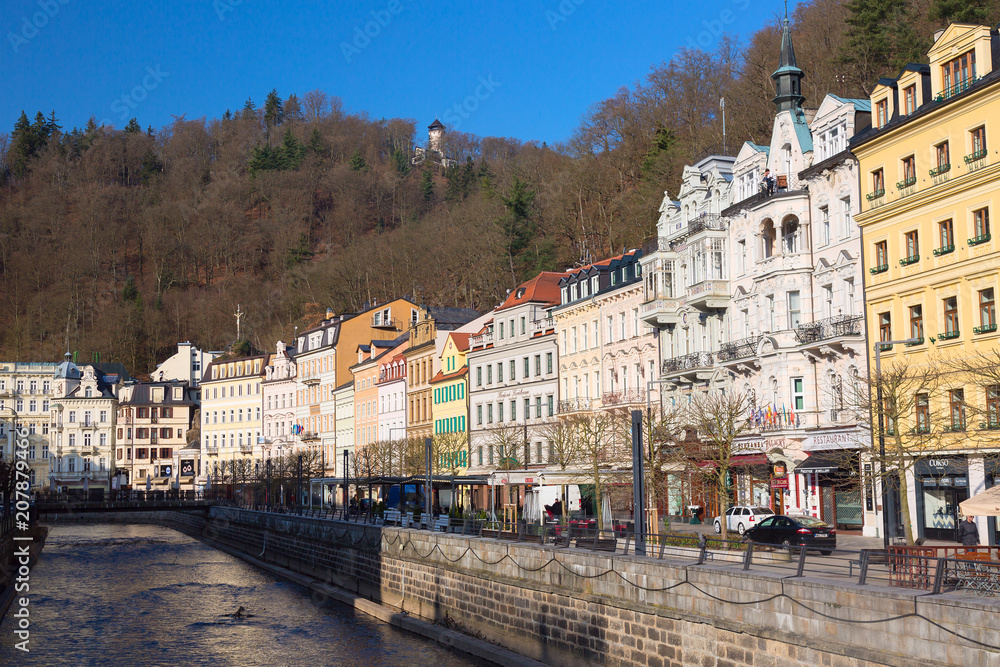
x: 941, y: 513
x: 778, y: 501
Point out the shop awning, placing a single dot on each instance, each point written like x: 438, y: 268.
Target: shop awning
x: 822, y: 462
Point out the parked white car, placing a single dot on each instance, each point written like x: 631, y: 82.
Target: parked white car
x: 742, y: 518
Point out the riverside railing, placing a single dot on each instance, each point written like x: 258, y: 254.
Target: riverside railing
x: 933, y: 569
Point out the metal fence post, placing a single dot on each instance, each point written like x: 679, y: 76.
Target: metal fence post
x: 863, y: 575
x: 939, y: 576
x: 748, y: 556
x: 802, y: 562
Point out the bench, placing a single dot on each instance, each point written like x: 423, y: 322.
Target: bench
x: 393, y: 516
x: 609, y: 544
x: 875, y: 557
x: 441, y: 523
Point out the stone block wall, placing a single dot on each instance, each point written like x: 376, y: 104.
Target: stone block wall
x: 570, y: 607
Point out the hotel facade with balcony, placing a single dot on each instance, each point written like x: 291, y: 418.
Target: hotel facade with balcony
x: 795, y: 316
x: 25, y: 397
x: 513, y: 383
x: 607, y: 353
x: 153, y: 424
x: 279, y: 394
x: 82, y: 429
x: 686, y: 288
x: 231, y: 392
x: 933, y: 266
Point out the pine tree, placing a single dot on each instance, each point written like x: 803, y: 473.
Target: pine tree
x: 291, y: 153
x: 52, y: 125
x: 427, y: 186
x: 274, y: 112
x: 400, y: 162
x: 317, y: 145
x: 21, y: 145
x: 249, y: 110
x: 358, y: 161
x: 133, y: 127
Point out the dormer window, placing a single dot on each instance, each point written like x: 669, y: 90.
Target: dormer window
x: 910, y: 99
x: 594, y: 285
x: 565, y: 295
x: 958, y: 74
x: 882, y: 112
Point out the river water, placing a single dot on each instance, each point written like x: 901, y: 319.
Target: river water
x: 148, y: 595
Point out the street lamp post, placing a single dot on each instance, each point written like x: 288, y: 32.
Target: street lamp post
x: 881, y: 430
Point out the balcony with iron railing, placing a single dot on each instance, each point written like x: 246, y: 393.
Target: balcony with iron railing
x: 738, y: 349
x: 624, y: 397
x: 579, y: 404
x: 960, y: 87
x: 481, y: 340
x: 310, y: 380
x: 246, y: 448
x: 309, y: 436
x: 829, y: 329
x: 684, y: 364
x: 212, y: 449
x: 975, y: 156
x: 982, y: 238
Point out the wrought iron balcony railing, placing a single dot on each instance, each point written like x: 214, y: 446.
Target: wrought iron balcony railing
x: 982, y: 238
x: 624, y: 397
x: 738, y: 349
x: 959, y: 87
x: 948, y: 335
x: 986, y: 328
x: 688, y: 362
x: 944, y: 250
x: 911, y: 259
x: 976, y: 155
x: 942, y: 168
x: 881, y: 268
x: 831, y: 327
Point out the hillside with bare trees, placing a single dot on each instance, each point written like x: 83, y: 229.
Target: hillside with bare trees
x: 123, y: 242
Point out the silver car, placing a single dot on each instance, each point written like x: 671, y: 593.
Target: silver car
x: 742, y: 518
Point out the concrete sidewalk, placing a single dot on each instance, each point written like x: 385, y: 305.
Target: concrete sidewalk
x: 849, y: 540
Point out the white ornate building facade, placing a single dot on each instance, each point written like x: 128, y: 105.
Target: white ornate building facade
x: 278, y: 393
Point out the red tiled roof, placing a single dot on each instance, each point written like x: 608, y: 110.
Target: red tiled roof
x: 542, y: 288
x: 461, y: 340
x: 441, y: 377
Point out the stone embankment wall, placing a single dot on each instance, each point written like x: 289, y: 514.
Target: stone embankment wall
x: 569, y: 607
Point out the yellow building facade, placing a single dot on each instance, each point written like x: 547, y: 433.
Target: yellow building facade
x: 931, y: 183
x: 450, y: 387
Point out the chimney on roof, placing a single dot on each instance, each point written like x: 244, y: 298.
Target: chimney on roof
x: 330, y: 314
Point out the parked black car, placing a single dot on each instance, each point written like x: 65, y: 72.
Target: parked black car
x: 789, y: 531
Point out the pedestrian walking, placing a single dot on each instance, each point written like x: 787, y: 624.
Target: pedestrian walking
x: 968, y: 532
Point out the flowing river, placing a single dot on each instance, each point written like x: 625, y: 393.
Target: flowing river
x: 148, y: 595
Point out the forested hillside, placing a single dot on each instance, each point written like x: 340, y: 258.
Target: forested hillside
x: 125, y: 241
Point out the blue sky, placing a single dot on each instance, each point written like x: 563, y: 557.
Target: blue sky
x: 525, y: 69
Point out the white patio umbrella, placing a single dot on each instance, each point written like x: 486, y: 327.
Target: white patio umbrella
x: 986, y: 503
x: 149, y: 482
x: 606, y: 512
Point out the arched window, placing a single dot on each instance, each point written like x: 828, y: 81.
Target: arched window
x: 790, y: 234
x: 767, y: 236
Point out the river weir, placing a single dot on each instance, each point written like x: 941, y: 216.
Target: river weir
x: 112, y: 594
